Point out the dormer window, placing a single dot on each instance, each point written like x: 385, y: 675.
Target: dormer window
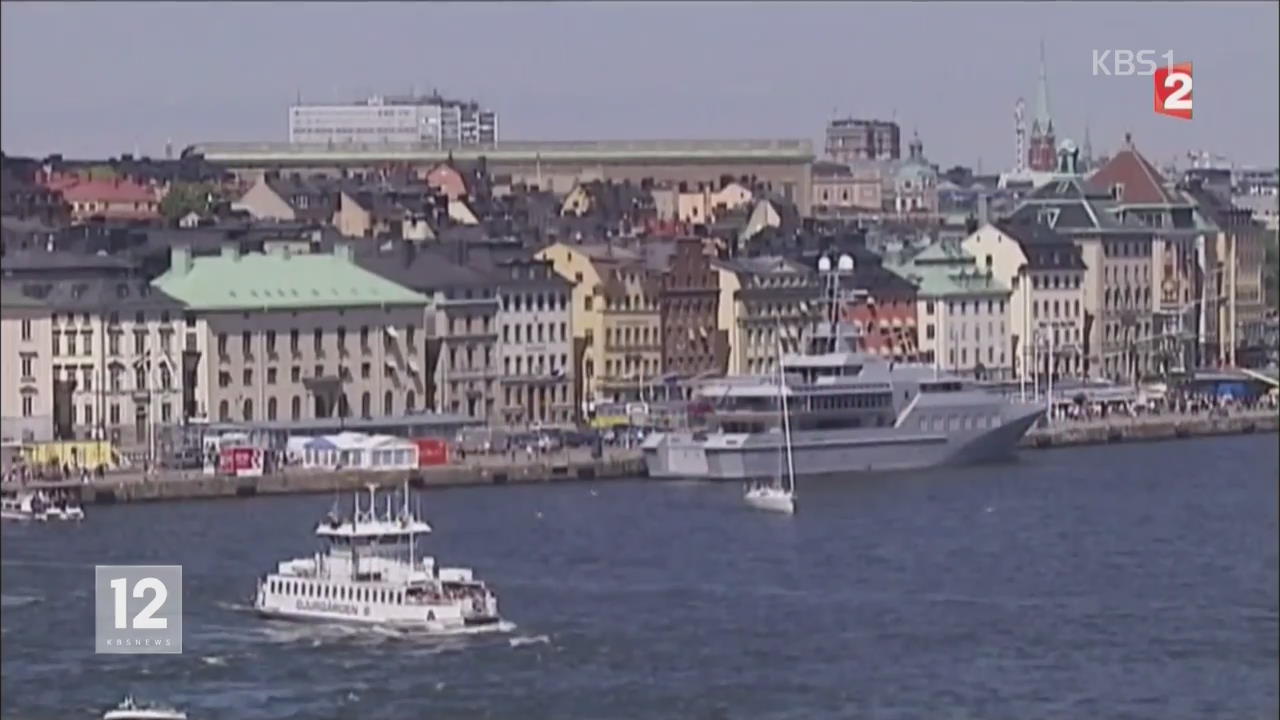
x: 1117, y: 191
x: 1048, y: 217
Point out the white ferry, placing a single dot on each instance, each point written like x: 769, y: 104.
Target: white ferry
x: 370, y: 573
x: 36, y: 505
x: 129, y: 709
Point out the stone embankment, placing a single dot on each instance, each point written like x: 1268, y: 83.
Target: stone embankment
x: 191, y: 485
x: 1149, y: 428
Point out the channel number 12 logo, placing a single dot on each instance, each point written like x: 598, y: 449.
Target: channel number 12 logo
x: 1173, y: 90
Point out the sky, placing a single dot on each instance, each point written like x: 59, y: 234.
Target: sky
x: 96, y: 79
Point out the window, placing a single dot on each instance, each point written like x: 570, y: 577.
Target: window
x: 246, y: 344
x: 296, y: 407
x: 114, y: 413
x: 318, y: 336
x: 387, y: 403
x: 26, y: 329
x: 271, y: 342
x: 365, y: 405
x: 928, y: 331
x: 271, y: 376
x: 293, y: 341
x: 28, y: 406
x: 27, y: 370
x: 248, y: 410
x: 222, y: 344
x: 248, y: 377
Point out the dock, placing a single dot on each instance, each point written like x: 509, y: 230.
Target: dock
x: 196, y: 485
x: 1150, y: 428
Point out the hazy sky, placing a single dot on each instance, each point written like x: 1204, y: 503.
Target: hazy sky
x: 99, y: 78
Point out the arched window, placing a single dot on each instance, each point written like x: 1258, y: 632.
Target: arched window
x: 343, y: 408
x: 296, y: 408
x: 365, y: 403
x: 140, y: 377
x: 224, y: 411
x: 410, y: 401
x: 248, y: 410
x: 387, y: 403
x: 271, y: 408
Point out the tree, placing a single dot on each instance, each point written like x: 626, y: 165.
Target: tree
x: 184, y: 198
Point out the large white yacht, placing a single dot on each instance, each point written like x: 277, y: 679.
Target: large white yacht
x: 370, y: 572
x: 849, y: 413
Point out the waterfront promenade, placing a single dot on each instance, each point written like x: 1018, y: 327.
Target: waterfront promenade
x: 1164, y: 426
x: 578, y: 464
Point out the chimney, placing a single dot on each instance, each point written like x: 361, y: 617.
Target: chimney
x: 231, y: 250
x: 180, y: 260
x: 984, y: 209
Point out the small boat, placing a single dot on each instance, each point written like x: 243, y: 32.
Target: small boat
x: 779, y: 496
x: 130, y: 709
x: 36, y: 505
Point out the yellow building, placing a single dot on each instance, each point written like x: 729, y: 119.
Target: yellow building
x: 764, y: 300
x: 615, y: 316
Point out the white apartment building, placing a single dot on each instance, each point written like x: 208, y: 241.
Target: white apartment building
x: 1045, y: 273
x: 430, y: 120
x: 26, y: 383
x: 111, y: 351
x: 537, y: 344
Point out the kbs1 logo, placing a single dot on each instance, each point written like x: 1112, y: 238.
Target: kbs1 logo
x: 1172, y: 81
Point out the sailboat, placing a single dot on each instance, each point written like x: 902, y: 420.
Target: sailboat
x: 778, y: 496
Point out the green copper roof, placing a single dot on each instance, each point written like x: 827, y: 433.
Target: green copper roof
x: 945, y: 270
x: 257, y: 281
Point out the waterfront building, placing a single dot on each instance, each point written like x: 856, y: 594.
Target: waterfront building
x: 962, y: 309
x: 26, y: 380
x: 692, y: 344
x: 1240, y: 244
x: 462, y: 350
x: 616, y: 313
x: 287, y: 336
x: 537, y: 344
x: 1181, y: 263
x: 764, y: 300
x: 1046, y: 275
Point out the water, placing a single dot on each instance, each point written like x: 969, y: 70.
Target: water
x: 1130, y: 581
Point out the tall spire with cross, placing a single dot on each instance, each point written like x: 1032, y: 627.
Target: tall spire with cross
x: 1043, y: 118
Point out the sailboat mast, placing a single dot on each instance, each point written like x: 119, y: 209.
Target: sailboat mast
x: 786, y: 420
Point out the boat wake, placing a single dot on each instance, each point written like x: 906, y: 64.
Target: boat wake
x: 12, y: 601
x: 524, y: 640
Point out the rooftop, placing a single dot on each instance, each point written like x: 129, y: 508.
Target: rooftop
x: 279, y: 280
x: 574, y: 150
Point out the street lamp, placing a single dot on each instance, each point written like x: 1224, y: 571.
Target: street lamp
x: 144, y: 361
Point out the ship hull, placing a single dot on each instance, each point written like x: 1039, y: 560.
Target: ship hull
x: 834, y: 452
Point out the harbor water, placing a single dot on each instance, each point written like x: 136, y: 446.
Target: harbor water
x: 1134, y: 581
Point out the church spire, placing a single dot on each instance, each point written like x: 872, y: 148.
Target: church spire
x: 1043, y: 118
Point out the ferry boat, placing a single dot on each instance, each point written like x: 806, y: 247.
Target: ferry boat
x: 36, y: 505
x: 129, y: 709
x: 849, y: 413
x: 370, y: 572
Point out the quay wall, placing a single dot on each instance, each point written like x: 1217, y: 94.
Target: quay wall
x: 195, y: 485
x: 1149, y: 429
